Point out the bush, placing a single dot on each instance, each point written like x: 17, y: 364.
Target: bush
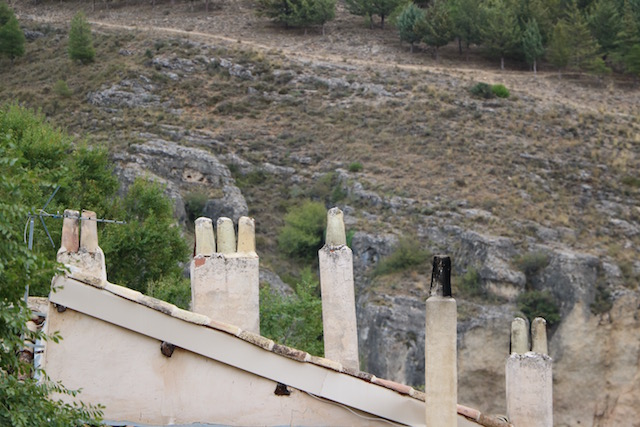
x: 303, y: 230
x: 295, y: 320
x: 532, y: 263
x: 173, y: 288
x: 482, y: 90
x: 62, y: 89
x: 470, y: 284
x: 500, y: 91
x: 80, y: 41
x: 194, y: 204
x: 149, y: 246
x: 355, y: 167
x: 602, y: 302
x: 407, y: 254
x: 539, y: 304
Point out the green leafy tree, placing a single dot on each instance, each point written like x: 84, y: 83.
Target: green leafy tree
x: 11, y: 36
x: 466, y: 22
x: 303, y: 230
x: 500, y: 31
x: 436, y: 26
x: 406, y: 24
x: 80, y: 46
x: 369, y: 8
x: 532, y: 44
x: 149, y: 246
x: 25, y: 401
x: 323, y: 11
x: 604, y: 23
x: 294, y: 320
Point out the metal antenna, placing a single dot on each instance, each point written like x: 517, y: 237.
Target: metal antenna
x: 42, y: 213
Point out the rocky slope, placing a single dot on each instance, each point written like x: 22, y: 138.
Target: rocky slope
x: 535, y: 193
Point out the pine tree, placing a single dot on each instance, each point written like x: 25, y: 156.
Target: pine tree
x: 532, y: 44
x: 629, y: 34
x: 465, y: 15
x: 604, y: 23
x: 406, y: 23
x: 11, y: 39
x: 80, y: 41
x: 436, y: 26
x: 500, y: 31
x: 368, y: 8
x: 584, y: 49
x: 559, y: 49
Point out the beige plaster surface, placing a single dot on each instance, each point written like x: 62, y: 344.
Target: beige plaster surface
x: 127, y: 373
x: 226, y: 288
x: 338, y: 305
x: 441, y: 378
x: 529, y: 390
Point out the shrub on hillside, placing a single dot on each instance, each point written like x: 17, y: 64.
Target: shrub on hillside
x: 500, y: 91
x: 294, y: 320
x: 482, y: 90
x: 539, y: 304
x: 303, y: 230
x: 407, y: 254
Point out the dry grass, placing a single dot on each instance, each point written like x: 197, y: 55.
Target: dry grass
x: 525, y: 160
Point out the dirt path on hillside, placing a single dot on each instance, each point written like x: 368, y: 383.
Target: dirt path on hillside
x: 348, y: 44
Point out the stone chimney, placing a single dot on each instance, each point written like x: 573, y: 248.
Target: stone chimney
x: 529, y: 376
x: 441, y: 372
x: 79, y: 249
x: 338, y: 294
x: 225, y: 274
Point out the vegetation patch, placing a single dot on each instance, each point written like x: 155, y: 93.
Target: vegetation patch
x: 539, y: 304
x: 407, y: 254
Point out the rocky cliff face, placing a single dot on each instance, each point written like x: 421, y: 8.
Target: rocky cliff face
x: 595, y: 346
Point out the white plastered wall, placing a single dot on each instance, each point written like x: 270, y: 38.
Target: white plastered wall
x: 126, y: 372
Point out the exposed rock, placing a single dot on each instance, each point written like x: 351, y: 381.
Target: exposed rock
x: 184, y: 169
x: 128, y: 93
x: 32, y: 35
x: 275, y: 282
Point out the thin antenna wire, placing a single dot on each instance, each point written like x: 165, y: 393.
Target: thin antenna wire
x: 41, y: 213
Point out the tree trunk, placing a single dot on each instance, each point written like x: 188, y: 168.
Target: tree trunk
x: 502, y: 63
x: 535, y: 68
x: 382, y: 22
x: 323, y: 30
x: 459, y: 45
x: 206, y: 6
x: 437, y: 54
x: 411, y: 47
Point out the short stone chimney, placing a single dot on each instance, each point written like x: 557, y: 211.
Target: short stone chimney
x: 529, y: 376
x: 441, y: 372
x: 225, y: 273
x: 338, y: 294
x: 79, y: 249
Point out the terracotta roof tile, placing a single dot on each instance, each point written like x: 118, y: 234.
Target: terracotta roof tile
x: 400, y: 388
x: 225, y: 327
x: 326, y: 363
x: 291, y: 353
x: 256, y: 339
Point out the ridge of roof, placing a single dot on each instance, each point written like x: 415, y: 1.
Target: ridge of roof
x: 267, y: 344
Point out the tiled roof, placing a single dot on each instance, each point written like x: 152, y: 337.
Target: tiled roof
x: 271, y: 346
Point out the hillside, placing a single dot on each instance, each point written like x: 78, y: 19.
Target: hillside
x: 226, y: 108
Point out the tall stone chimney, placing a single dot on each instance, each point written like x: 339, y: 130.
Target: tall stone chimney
x: 441, y: 372
x: 225, y: 274
x: 338, y: 294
